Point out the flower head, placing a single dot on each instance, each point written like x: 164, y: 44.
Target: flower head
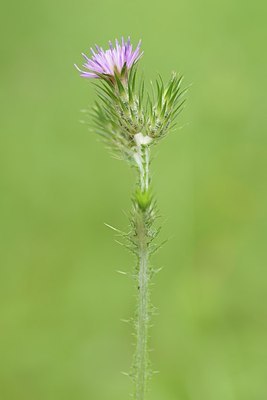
x: 116, y: 60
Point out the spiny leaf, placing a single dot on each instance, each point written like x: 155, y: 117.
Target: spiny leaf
x: 119, y: 84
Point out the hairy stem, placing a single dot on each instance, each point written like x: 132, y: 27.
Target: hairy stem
x: 142, y: 318
x: 143, y: 277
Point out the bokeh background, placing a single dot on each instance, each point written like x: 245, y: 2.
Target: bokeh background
x: 61, y: 298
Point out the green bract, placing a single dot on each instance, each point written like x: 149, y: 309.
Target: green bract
x: 126, y: 108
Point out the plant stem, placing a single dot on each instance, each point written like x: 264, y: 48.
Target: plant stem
x: 142, y: 319
x: 143, y: 278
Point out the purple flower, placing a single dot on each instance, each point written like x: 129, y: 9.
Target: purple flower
x: 111, y: 61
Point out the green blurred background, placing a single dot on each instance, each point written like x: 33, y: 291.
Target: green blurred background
x: 61, y: 298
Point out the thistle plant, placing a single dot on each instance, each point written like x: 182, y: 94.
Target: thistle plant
x: 131, y: 121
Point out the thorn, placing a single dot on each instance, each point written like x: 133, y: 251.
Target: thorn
x: 155, y: 271
x: 127, y: 321
x: 112, y: 227
x: 122, y: 272
x: 119, y: 243
x: 125, y: 373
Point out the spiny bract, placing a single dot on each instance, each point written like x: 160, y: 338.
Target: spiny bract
x: 125, y: 109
